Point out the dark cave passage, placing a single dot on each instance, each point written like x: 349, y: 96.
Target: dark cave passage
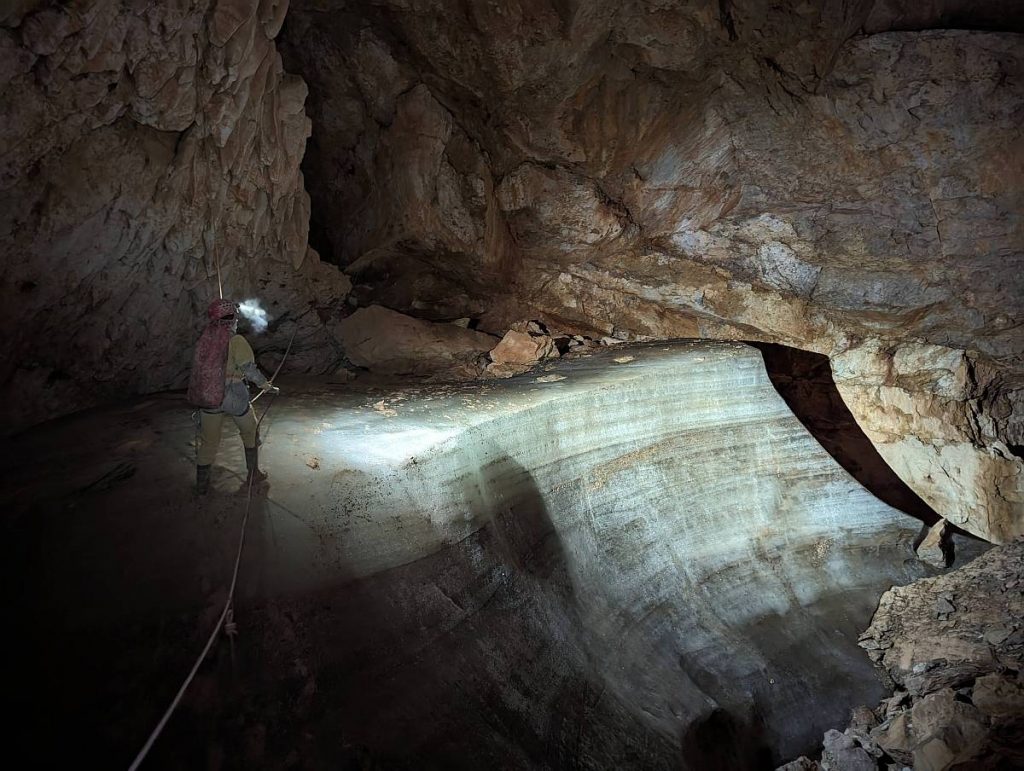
x: 804, y: 380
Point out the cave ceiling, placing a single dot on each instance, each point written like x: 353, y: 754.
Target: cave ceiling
x: 842, y: 177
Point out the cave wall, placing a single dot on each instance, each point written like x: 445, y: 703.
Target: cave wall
x: 843, y: 177
x: 142, y: 143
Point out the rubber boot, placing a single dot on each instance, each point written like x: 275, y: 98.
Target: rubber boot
x: 202, y: 480
x: 252, y: 457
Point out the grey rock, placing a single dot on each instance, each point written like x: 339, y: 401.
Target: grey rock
x: 937, y: 548
x: 803, y: 763
x: 841, y: 753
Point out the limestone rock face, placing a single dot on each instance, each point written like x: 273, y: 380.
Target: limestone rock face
x: 947, y: 422
x: 952, y: 646
x: 946, y: 631
x: 142, y: 144
x: 389, y: 342
x: 743, y: 170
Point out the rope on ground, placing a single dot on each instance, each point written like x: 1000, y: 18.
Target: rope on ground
x: 227, y: 614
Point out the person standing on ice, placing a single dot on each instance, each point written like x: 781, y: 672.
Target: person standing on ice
x: 222, y: 364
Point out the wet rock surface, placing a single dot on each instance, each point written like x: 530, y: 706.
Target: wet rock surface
x: 639, y: 560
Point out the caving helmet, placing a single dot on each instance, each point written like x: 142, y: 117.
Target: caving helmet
x: 221, y: 309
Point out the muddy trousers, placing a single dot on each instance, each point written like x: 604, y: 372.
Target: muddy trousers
x: 210, y: 425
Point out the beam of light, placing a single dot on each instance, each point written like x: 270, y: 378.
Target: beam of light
x: 394, y: 448
x: 256, y: 315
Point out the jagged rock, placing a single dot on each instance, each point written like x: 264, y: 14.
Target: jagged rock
x: 999, y: 696
x: 545, y: 207
x: 893, y: 705
x: 947, y: 732
x: 895, y: 738
x: 936, y: 549
x: 923, y: 654
x: 842, y: 753
x: 803, y: 763
x: 863, y: 719
x: 523, y: 348
x: 529, y: 327
x: 942, y: 418
x: 389, y: 342
x: 964, y: 703
x: 944, y: 606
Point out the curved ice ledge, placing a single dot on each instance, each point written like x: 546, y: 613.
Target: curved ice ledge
x: 661, y: 527
x: 648, y: 563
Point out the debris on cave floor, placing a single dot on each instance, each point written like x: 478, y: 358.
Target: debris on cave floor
x: 384, y: 342
x: 937, y: 547
x: 952, y: 649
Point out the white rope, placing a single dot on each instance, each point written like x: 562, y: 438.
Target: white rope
x: 227, y: 613
x: 276, y: 371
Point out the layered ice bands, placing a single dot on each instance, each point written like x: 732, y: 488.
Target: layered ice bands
x: 640, y: 559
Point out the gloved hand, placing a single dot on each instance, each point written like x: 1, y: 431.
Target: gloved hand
x: 270, y: 388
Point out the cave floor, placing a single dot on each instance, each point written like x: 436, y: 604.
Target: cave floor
x: 634, y: 559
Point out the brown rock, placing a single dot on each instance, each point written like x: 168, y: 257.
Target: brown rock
x: 913, y: 636
x: 147, y: 145
x: 389, y: 342
x: 947, y: 732
x: 863, y: 719
x: 919, y: 405
x: 895, y: 738
x: 522, y: 348
x: 999, y: 696
x: 936, y: 548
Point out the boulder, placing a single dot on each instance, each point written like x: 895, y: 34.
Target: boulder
x: 947, y: 732
x: 936, y: 549
x: 895, y: 738
x: 842, y: 753
x: 936, y: 633
x: 388, y: 342
x: 999, y: 696
x: 523, y: 348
